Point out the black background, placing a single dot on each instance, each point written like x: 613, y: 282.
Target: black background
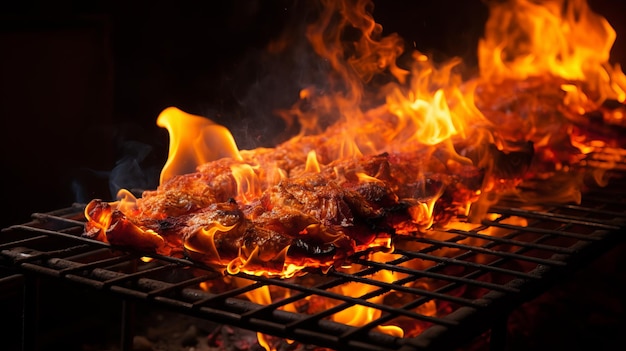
x: 81, y: 83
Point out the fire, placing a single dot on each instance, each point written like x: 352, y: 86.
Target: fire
x: 440, y: 148
x: 359, y: 315
x: 247, y: 180
x: 434, y: 108
x: 312, y: 165
x: 562, y: 38
x: 194, y: 140
x: 204, y: 242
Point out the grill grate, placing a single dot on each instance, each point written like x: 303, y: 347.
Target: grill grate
x: 449, y: 286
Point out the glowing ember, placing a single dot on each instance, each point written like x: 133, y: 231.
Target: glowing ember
x: 425, y: 152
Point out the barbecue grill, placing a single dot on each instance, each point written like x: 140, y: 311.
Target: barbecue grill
x: 479, y: 275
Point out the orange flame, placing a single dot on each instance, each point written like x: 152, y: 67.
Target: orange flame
x: 194, y: 140
x: 312, y: 165
x: 563, y: 38
x: 204, y: 241
x: 359, y: 315
x: 248, y: 183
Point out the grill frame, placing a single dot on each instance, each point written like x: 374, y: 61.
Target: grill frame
x: 50, y: 245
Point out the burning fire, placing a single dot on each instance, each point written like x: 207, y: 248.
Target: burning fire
x: 440, y: 148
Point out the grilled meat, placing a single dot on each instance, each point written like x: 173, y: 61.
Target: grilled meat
x: 308, y: 220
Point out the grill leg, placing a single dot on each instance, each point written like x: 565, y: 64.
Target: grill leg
x: 30, y: 314
x: 127, y: 325
x: 497, y: 339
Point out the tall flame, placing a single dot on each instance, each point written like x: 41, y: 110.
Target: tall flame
x: 563, y: 38
x: 194, y: 140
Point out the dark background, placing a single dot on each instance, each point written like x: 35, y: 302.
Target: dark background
x: 82, y: 82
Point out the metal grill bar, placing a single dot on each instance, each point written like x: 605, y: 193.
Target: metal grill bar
x: 220, y: 297
x: 477, y: 275
x: 58, y: 233
x: 455, y: 261
x: 348, y: 301
x: 541, y: 231
x: 608, y: 225
x: 429, y: 274
x: 528, y: 245
x: 483, y: 250
x: 602, y: 211
x: 96, y: 264
x: 22, y: 242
